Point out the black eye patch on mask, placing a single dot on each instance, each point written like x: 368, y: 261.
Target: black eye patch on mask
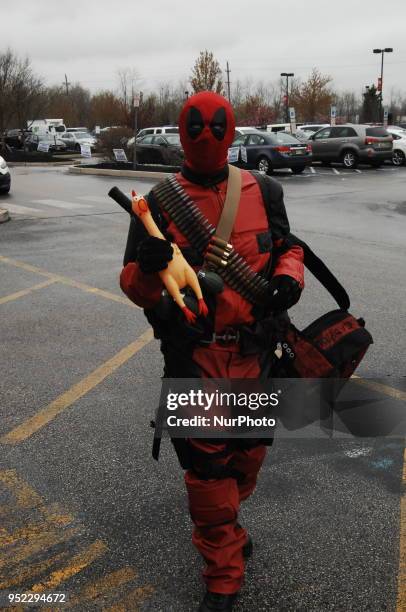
x: 194, y: 122
x: 218, y: 124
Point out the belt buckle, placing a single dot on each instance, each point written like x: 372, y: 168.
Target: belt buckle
x: 229, y: 336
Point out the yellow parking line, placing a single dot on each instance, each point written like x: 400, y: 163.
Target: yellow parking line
x: 47, y: 414
x: 103, y: 587
x: 401, y: 599
x: 23, y: 292
x: 38, y: 540
x: 397, y: 394
x: 133, y: 601
x: 76, y: 565
x: 65, y: 280
x: 25, y: 497
x: 22, y: 576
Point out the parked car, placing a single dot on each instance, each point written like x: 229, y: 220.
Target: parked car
x: 277, y: 127
x: 160, y: 149
x: 163, y: 129
x: 15, y: 138
x: 267, y: 151
x: 352, y: 144
x: 399, y: 145
x: 55, y: 144
x: 305, y: 131
x: 73, y: 140
x: 5, y: 178
x: 313, y: 127
x: 77, y: 129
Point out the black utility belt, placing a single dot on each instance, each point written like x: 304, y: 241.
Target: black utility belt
x: 227, y: 337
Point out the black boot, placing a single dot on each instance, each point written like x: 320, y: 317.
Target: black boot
x: 216, y: 602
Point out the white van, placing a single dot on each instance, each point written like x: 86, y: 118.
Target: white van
x: 46, y: 126
x: 280, y: 127
x: 162, y: 129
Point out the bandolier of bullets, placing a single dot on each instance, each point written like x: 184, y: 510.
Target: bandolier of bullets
x: 219, y: 254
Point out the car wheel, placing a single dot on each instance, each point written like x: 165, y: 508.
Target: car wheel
x: 5, y: 190
x: 349, y: 159
x: 298, y: 169
x: 264, y: 165
x: 398, y: 158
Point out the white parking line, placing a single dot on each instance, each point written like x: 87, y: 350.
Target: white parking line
x: 335, y: 170
x: 61, y: 204
x: 22, y: 210
x: 312, y: 170
x: 356, y: 170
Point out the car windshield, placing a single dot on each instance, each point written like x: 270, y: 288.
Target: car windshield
x: 284, y: 138
x: 173, y: 139
x: 82, y: 135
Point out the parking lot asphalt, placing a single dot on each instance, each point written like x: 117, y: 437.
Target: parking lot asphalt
x: 83, y: 507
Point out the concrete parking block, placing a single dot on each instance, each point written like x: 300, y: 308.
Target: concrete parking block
x: 4, y: 216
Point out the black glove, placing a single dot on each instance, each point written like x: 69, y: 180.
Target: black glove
x: 284, y: 292
x: 154, y: 254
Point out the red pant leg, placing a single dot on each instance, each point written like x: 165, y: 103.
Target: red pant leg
x: 249, y: 462
x: 214, y: 508
x: 214, y: 503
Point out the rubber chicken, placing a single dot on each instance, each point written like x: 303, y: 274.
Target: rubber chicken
x: 179, y: 273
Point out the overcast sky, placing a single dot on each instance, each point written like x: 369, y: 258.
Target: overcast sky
x: 90, y: 40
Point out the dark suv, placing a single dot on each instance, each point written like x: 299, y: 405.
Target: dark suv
x: 352, y: 144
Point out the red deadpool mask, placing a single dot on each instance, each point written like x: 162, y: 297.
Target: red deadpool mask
x: 206, y: 127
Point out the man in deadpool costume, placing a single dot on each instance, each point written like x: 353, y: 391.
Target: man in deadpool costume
x: 220, y: 474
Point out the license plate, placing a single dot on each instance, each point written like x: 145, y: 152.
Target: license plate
x: 297, y: 151
x: 384, y: 145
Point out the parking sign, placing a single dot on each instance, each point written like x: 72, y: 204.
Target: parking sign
x: 43, y: 147
x: 85, y: 150
x: 120, y: 155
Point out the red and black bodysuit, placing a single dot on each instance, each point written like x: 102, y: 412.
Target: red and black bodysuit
x: 207, y: 130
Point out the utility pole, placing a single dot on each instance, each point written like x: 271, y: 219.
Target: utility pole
x: 228, y: 83
x: 67, y: 85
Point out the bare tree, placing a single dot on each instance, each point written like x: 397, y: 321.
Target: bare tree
x: 22, y: 92
x: 129, y: 83
x: 348, y: 105
x: 207, y: 74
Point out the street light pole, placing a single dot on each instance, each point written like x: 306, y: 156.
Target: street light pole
x: 287, y: 75
x: 382, y: 52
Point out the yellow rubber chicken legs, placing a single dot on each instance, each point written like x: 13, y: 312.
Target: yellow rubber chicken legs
x: 179, y: 273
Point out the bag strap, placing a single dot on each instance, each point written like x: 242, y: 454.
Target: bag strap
x: 230, y: 208
x: 312, y: 262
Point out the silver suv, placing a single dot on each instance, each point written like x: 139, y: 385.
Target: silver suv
x: 352, y: 144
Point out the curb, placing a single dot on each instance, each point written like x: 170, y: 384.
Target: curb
x: 39, y: 164
x: 4, y: 216
x: 125, y: 173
